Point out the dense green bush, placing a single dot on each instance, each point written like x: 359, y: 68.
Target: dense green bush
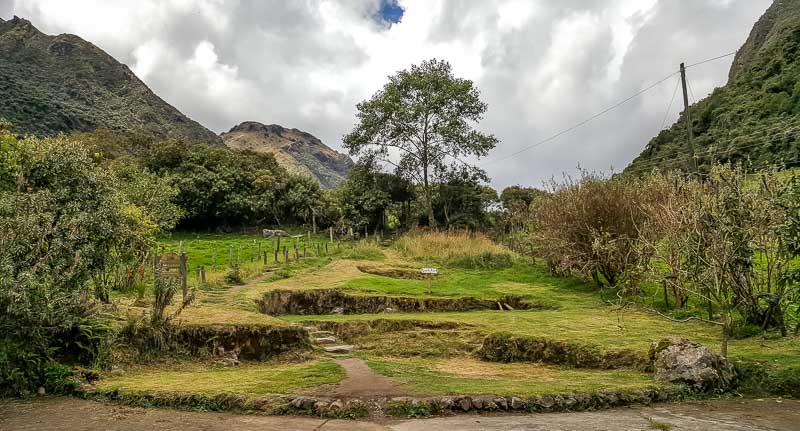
x: 60, y: 219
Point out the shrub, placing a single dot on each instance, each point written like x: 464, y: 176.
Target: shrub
x: 592, y: 226
x: 234, y: 276
x: 59, y: 220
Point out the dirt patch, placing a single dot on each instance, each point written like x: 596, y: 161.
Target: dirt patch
x: 508, y: 348
x: 334, y: 301
x: 362, y: 382
x: 387, y: 271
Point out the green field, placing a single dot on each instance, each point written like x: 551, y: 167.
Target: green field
x: 435, y: 352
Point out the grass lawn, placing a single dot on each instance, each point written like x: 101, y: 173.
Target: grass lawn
x: 432, y: 361
x: 466, y: 376
x: 249, y: 379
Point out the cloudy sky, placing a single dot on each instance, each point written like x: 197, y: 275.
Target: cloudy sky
x: 541, y: 65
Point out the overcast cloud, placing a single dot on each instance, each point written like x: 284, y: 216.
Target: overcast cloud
x: 541, y: 65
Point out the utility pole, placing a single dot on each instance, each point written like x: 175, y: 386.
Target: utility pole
x: 693, y: 162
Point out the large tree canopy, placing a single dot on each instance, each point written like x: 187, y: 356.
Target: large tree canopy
x: 422, y: 122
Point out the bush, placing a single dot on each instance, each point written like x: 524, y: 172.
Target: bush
x: 592, y: 226
x: 59, y: 220
x: 234, y: 276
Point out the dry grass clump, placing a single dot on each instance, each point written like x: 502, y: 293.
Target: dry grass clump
x: 459, y: 248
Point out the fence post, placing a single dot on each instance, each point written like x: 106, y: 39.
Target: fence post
x: 230, y: 255
x: 214, y: 257
x: 239, y: 255
x: 330, y: 232
x: 180, y: 247
x: 259, y: 250
x: 326, y: 248
x: 285, y: 255
x: 296, y: 254
x: 203, y: 275
x: 183, y: 270
x: 304, y: 251
x: 197, y: 276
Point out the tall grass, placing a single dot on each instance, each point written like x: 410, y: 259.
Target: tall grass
x: 459, y: 248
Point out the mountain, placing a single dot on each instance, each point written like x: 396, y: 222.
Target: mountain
x: 295, y: 150
x: 755, y: 117
x: 51, y: 84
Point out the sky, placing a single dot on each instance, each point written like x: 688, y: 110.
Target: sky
x: 541, y: 65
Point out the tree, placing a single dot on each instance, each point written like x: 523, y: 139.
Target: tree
x: 462, y: 200
x: 427, y: 115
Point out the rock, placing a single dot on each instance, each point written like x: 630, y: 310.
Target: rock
x: 465, y: 404
x: 297, y: 402
x: 308, y: 403
x: 477, y: 403
x: 321, y: 406
x: 345, y: 348
x: 501, y: 403
x: 338, y: 310
x: 517, y: 403
x: 546, y: 402
x: 325, y: 340
x: 41, y: 390
x: 678, y: 360
x: 388, y: 310
x: 337, y: 405
x: 447, y: 403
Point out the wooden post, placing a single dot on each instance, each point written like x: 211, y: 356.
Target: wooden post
x: 285, y: 254
x: 239, y: 255
x: 183, y: 271
x: 279, y: 243
x: 275, y: 251
x: 330, y: 232
x: 304, y: 251
x: 203, y: 275
x: 180, y: 247
x: 259, y: 250
x: 230, y: 255
x: 197, y: 276
x: 214, y: 257
x: 296, y: 253
x: 308, y: 235
x: 326, y: 248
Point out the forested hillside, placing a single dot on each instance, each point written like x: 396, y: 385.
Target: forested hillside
x: 51, y: 84
x: 755, y: 118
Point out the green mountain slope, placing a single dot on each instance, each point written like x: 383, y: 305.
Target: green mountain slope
x: 51, y: 84
x: 755, y: 118
x: 295, y: 150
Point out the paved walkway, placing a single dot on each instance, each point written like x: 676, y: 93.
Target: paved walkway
x: 73, y: 414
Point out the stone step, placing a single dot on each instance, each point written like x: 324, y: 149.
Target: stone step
x: 324, y: 340
x: 345, y: 348
x: 320, y: 333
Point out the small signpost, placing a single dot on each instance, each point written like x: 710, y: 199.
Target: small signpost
x: 429, y: 273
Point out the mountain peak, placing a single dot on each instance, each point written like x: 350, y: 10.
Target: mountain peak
x: 298, y: 151
x: 66, y: 84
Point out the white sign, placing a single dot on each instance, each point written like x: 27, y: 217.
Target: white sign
x: 429, y: 271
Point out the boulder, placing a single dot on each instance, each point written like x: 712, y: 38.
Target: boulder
x: 678, y: 360
x: 517, y: 403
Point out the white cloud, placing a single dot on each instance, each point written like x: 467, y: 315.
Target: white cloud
x: 541, y: 65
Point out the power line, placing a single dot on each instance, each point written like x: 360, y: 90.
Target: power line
x: 761, y: 133
x: 569, y: 129
x: 671, y: 101
x: 601, y: 113
x: 712, y: 151
x: 711, y: 59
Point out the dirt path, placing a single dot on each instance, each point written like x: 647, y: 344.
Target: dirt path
x: 362, y: 382
x: 61, y: 414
